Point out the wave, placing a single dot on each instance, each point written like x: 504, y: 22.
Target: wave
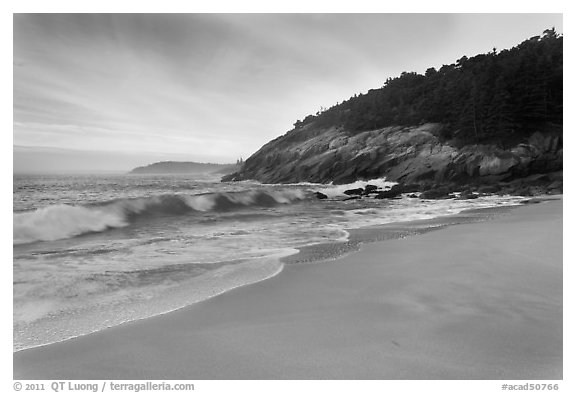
x: 66, y: 221
x: 336, y: 191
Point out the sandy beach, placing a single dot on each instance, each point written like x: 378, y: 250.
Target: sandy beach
x: 471, y: 301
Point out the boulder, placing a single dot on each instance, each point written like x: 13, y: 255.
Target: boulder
x: 437, y: 193
x: 489, y: 189
x: 410, y: 187
x: 370, y: 188
x: 319, y: 195
x: 354, y: 191
x: 528, y: 191
x: 555, y: 187
x: 394, y: 192
x: 467, y: 195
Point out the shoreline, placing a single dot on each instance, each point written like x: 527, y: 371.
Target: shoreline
x: 330, y: 251
x: 154, y: 315
x: 66, y: 355
x: 327, y: 252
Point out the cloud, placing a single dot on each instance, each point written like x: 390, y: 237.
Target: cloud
x: 219, y: 83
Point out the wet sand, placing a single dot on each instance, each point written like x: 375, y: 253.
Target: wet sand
x: 471, y: 301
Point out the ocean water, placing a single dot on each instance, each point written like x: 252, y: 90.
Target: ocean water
x: 91, y: 252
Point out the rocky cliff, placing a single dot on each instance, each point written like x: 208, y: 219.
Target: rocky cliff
x: 493, y: 118
x: 406, y: 155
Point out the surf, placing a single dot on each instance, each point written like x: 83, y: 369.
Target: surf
x: 65, y: 221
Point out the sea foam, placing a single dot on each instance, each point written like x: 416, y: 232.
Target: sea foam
x: 336, y: 191
x: 65, y: 221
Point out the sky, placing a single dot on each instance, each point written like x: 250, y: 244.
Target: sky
x: 108, y: 92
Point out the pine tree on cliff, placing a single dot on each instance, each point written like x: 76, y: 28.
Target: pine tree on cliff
x: 501, y: 95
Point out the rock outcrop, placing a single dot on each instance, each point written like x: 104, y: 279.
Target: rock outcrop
x: 407, y: 155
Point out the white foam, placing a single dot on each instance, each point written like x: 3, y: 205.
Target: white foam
x: 67, y: 324
x: 287, y: 196
x: 336, y: 191
x: 62, y: 221
x: 200, y: 202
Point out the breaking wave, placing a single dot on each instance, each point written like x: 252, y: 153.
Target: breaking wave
x: 336, y: 191
x: 66, y: 221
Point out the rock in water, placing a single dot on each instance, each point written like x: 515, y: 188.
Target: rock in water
x: 468, y: 195
x: 354, y: 191
x: 394, y: 192
x: 437, y: 193
x: 370, y: 188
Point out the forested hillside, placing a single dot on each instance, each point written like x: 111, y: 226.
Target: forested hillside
x: 506, y: 94
x: 489, y: 119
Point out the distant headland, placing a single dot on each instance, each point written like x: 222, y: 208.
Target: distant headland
x: 184, y: 167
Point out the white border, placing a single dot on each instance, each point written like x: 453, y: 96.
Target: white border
x: 356, y: 6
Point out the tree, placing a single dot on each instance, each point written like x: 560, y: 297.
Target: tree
x: 494, y: 95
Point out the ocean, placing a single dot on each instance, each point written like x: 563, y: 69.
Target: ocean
x: 92, y: 252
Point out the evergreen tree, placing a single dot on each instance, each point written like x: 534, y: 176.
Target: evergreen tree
x: 493, y: 95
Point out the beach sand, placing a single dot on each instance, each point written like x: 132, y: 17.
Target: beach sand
x: 471, y: 301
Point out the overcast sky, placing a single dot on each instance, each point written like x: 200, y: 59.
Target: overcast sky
x: 134, y: 89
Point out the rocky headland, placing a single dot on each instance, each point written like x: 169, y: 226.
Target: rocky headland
x: 415, y: 157
x: 487, y: 124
